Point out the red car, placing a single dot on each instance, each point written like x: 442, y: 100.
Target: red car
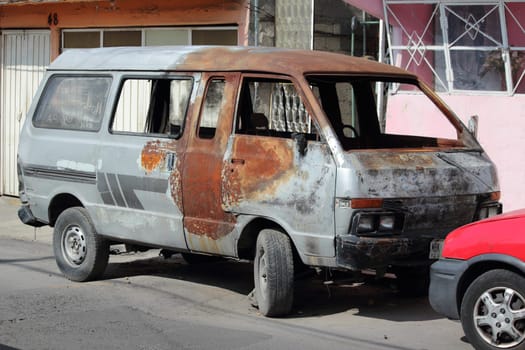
x: 480, y: 279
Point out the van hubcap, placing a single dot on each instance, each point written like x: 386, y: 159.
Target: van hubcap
x: 74, y: 245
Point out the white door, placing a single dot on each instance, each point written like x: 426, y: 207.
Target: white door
x: 25, y: 55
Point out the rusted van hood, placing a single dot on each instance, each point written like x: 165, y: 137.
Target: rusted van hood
x: 415, y: 174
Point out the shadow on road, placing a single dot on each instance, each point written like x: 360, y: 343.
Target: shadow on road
x: 313, y: 298
x: 5, y: 347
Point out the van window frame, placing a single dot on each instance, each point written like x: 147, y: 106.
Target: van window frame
x: 189, y: 76
x: 277, y: 77
x: 53, y: 76
x: 209, y: 81
x: 440, y: 143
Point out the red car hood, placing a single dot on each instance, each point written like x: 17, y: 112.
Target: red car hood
x: 501, y: 234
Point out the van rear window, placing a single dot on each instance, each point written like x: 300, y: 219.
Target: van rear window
x: 73, y: 103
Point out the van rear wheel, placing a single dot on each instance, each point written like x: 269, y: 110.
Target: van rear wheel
x: 273, y: 273
x: 80, y: 253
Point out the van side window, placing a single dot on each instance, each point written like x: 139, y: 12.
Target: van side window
x: 152, y: 106
x: 211, y: 109
x: 73, y: 103
x: 269, y: 107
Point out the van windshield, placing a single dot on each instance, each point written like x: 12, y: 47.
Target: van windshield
x: 402, y: 121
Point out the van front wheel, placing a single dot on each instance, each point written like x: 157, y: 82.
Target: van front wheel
x: 80, y: 253
x: 273, y: 273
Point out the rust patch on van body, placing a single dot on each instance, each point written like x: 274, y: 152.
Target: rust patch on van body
x: 258, y: 167
x: 155, y: 155
x: 211, y: 228
x: 204, y: 214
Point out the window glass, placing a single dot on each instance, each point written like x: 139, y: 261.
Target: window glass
x: 147, y: 37
x: 122, y: 38
x: 81, y: 40
x: 214, y: 37
x: 73, y: 103
x: 152, y: 106
x: 270, y: 107
x: 515, y: 18
x: 470, y: 27
x: 154, y: 37
x: 212, y: 108
x: 417, y: 43
x: 459, y: 46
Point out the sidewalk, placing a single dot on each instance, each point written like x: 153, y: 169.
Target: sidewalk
x: 12, y: 227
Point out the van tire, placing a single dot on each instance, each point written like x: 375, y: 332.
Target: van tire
x: 81, y: 254
x: 273, y: 273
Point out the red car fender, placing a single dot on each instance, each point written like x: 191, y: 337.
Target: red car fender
x: 501, y: 234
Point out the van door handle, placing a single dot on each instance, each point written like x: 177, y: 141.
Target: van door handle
x: 237, y: 161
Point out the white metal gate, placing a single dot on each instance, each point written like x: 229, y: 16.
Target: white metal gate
x: 25, y: 55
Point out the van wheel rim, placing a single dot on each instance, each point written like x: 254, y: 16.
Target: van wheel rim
x: 74, y: 245
x: 499, y: 317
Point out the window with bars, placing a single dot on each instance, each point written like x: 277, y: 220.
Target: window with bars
x: 460, y: 46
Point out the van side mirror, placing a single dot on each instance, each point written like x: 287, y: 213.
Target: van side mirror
x: 473, y: 125
x: 302, y: 143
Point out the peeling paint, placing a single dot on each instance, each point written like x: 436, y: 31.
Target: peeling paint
x: 154, y: 157
x: 154, y: 153
x: 259, y: 177
x: 69, y: 164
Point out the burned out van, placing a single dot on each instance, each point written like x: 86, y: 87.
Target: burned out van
x: 278, y: 156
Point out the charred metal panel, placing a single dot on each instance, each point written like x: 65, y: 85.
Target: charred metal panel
x: 412, y: 174
x: 435, y: 216
x: 221, y: 59
x: 208, y: 228
x: 268, y: 177
x: 434, y: 191
x: 358, y: 253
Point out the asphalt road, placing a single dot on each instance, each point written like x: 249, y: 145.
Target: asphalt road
x: 146, y: 302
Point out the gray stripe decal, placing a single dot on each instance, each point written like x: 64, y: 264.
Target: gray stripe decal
x: 57, y: 174
x: 120, y: 189
x: 131, y: 183
x: 103, y: 189
x: 115, y: 190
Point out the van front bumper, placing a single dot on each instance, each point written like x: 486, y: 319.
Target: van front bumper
x: 358, y: 253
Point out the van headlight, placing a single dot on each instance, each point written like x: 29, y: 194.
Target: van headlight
x: 376, y: 223
x: 488, y: 210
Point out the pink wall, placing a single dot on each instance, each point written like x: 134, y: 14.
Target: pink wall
x: 501, y: 132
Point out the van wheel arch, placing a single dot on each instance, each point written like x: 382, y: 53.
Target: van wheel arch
x: 248, y: 238
x: 59, y: 203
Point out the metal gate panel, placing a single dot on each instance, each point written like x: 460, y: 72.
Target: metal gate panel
x: 294, y: 24
x: 25, y: 55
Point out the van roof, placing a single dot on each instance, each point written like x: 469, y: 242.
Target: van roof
x: 218, y: 58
